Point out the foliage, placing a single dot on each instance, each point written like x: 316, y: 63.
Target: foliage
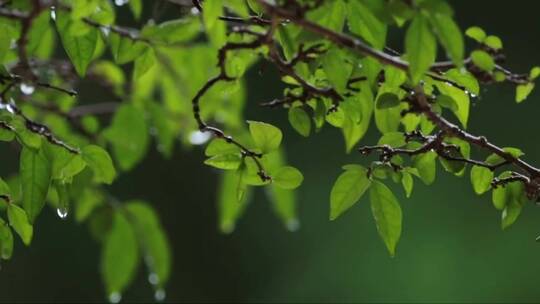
x: 179, y: 80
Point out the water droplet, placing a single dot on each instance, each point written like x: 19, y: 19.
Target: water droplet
x: 27, y: 89
x: 120, y: 2
x: 293, y: 225
x: 194, y: 11
x: 62, y: 212
x: 160, y: 294
x: 115, y: 297
x: 53, y: 13
x: 153, y: 279
x: 199, y: 138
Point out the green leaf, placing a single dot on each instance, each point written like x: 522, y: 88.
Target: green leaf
x: 120, y: 255
x: 125, y: 49
x: 225, y: 161
x: 534, y: 73
x: 128, y: 135
x: 493, y: 42
x: 425, y: 163
x: 407, y: 182
x: 4, y: 188
x: 387, y: 101
x: 230, y: 208
x: 336, y: 69
x: 215, y: 28
x: 421, y: 47
x: 35, y: 171
x: 387, y: 213
x: 449, y: 36
x: 173, y: 31
x: 300, y: 121
x: 447, y: 102
x: 464, y: 78
x: 523, y: 91
x: 220, y: 146
x: 266, y: 137
x: 6, y: 241
x: 510, y: 214
x: 348, y: 189
x: 365, y: 24
x: 461, y: 98
x: 288, y: 178
x: 483, y: 60
x: 19, y: 221
x: 79, y: 48
x: 101, y: 163
x: 152, y: 240
x: 393, y: 139
x: 476, y: 33
x: 481, y: 178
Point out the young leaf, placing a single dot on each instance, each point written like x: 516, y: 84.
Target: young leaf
x: 229, y: 207
x: 80, y: 48
x: 510, y: 214
x: 266, y: 137
x: 225, y: 161
x: 288, y: 178
x: 449, y: 35
x: 101, y: 163
x: 19, y: 221
x: 483, y: 60
x: 128, y: 135
x: 426, y: 165
x: 387, y: 214
x: 420, y: 46
x: 152, y: 240
x: 336, y: 69
x: 387, y: 100
x: 120, y: 255
x: 407, y: 182
x: 35, y: 171
x: 300, y: 121
x: 365, y: 24
x: 481, y: 178
x: 125, y: 49
x: 348, y: 189
x: 476, y: 33
x: 523, y: 91
x: 6, y: 241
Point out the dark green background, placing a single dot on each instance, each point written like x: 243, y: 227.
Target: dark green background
x: 452, y: 247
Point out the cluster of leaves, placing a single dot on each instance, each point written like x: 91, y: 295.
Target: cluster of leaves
x: 178, y: 80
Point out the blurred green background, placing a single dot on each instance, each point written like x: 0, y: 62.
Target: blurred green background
x: 452, y: 248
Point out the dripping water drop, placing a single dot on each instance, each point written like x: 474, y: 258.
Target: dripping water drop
x: 115, y: 297
x: 293, y: 225
x: 120, y: 2
x: 62, y: 213
x: 159, y: 294
x: 153, y: 279
x: 199, y: 138
x: 27, y: 89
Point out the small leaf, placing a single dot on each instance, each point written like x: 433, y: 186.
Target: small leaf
x: 220, y: 146
x: 483, y: 60
x: 19, y: 221
x: 476, y: 33
x: 450, y: 36
x: 125, y: 49
x: 481, y: 178
x: 6, y: 241
x: 523, y: 91
x: 152, y: 240
x: 348, y: 189
x: 493, y: 42
x: 393, y: 139
x: 101, y: 163
x: 225, y: 161
x: 387, y: 213
x: 407, y: 182
x: 447, y: 102
x: 35, y: 171
x: 266, y: 136
x: 364, y: 23
x: 80, y: 48
x: 425, y: 163
x: 120, y: 255
x: 387, y: 100
x: 300, y: 121
x: 420, y: 46
x: 336, y: 69
x: 510, y: 214
x: 288, y: 178
x: 128, y: 135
